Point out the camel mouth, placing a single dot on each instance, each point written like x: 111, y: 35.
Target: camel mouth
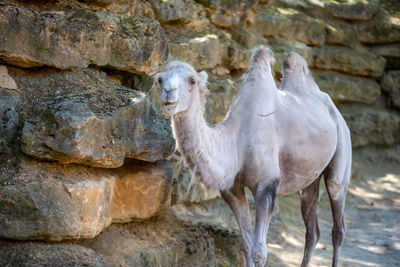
x: 169, y: 104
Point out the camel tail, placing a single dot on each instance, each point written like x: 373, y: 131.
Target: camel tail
x: 262, y: 54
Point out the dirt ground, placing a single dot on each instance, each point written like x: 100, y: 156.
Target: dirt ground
x: 372, y: 216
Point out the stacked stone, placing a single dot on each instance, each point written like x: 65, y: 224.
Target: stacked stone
x: 82, y: 144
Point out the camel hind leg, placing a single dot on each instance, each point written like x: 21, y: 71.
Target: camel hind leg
x: 337, y: 179
x: 309, y: 200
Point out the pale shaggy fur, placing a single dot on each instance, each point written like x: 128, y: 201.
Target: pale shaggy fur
x: 271, y: 141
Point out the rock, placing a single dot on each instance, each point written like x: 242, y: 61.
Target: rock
x: 202, y: 52
x: 9, y: 117
x: 83, y: 117
x: 5, y: 80
x: 246, y: 38
x: 222, y: 93
x: 391, y: 52
x: 346, y: 88
x: 78, y: 38
x: 53, y: 202
x: 100, y: 3
x: 181, y: 193
x: 43, y: 254
x: 348, y: 60
x: 165, y: 242
x: 371, y: 127
x: 178, y: 11
x: 340, y: 33
x: 235, y: 56
x: 142, y: 190
x: 131, y: 8
x: 352, y: 10
x: 281, y: 49
x: 383, y: 28
x: 289, y: 24
x: 229, y: 12
x: 391, y: 84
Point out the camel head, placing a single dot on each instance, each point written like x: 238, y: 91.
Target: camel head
x: 181, y: 87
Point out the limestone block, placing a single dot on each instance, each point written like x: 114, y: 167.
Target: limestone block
x: 9, y: 117
x: 340, y: 33
x: 45, y: 254
x: 78, y: 38
x: 226, y: 13
x: 347, y: 88
x: 391, y: 84
x: 202, y: 52
x: 53, y: 202
x: 349, y: 60
x: 290, y: 24
x: 383, y: 28
x: 5, y: 80
x: 178, y: 11
x: 391, y: 52
x: 369, y: 126
x: 164, y: 242
x: 83, y: 117
x: 352, y: 10
x: 141, y: 191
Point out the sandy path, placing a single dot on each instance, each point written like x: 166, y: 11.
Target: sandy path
x: 372, y: 219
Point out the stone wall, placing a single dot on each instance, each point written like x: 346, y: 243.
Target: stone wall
x: 82, y: 145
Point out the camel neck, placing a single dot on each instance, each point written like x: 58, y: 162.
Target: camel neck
x: 209, y: 152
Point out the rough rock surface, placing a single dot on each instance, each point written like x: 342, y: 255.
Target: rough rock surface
x: 347, y: 60
x: 347, y: 88
x: 47, y: 254
x: 5, y: 80
x: 340, y: 33
x: 391, y: 52
x: 9, y: 117
x: 79, y: 38
x: 178, y: 11
x: 352, y: 10
x: 372, y: 127
x: 141, y: 190
x: 226, y: 13
x: 81, y: 116
x: 53, y: 202
x: 203, y: 52
x: 290, y: 24
x: 391, y: 84
x: 164, y: 242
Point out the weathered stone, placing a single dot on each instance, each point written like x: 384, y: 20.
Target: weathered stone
x: 340, y: 33
x: 9, y: 117
x: 181, y: 192
x: 391, y: 52
x: 289, y: 24
x: 391, y: 84
x: 5, y: 80
x: 53, y: 202
x: 141, y: 191
x: 55, y: 255
x: 352, y: 10
x: 246, y: 38
x: 281, y: 49
x: 229, y: 12
x: 235, y: 56
x: 79, y: 38
x: 101, y: 3
x: 178, y: 11
x: 383, y: 28
x: 346, y: 88
x: 132, y: 8
x: 202, y: 52
x: 222, y: 93
x: 83, y: 117
x: 165, y: 242
x: 348, y: 60
x: 372, y: 127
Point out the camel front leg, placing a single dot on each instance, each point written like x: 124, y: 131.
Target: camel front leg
x: 237, y: 201
x: 264, y: 196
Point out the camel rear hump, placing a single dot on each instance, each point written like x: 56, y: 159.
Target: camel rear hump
x: 297, y: 76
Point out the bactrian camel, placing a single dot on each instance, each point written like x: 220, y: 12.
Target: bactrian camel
x: 273, y: 141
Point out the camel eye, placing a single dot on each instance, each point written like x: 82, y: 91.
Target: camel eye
x: 160, y: 80
x: 192, y: 81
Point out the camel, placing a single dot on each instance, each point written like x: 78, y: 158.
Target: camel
x: 273, y: 141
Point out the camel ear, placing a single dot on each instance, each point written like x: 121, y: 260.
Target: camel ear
x: 203, y: 76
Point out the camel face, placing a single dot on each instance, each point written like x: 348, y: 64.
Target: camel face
x: 179, y: 85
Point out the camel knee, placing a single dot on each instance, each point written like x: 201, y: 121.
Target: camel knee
x: 260, y: 254
x: 338, y: 235
x: 312, y: 236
